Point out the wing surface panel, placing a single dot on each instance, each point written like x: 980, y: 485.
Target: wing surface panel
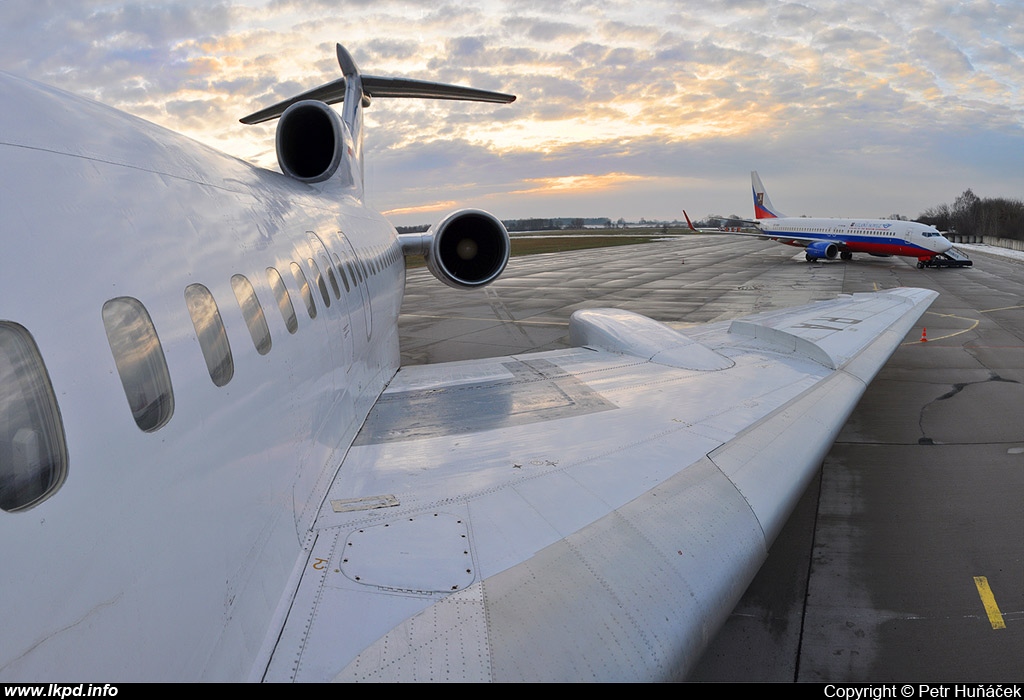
x: 629, y: 560
x: 835, y: 332
x: 595, y: 515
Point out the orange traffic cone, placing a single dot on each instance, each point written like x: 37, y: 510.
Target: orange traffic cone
x: 924, y: 335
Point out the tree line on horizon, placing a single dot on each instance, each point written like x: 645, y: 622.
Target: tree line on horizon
x: 970, y: 215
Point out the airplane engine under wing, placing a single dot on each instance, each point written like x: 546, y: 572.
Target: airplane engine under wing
x: 822, y: 249
x: 469, y: 248
x: 310, y: 141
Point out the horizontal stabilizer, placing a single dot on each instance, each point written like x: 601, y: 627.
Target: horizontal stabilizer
x: 375, y: 86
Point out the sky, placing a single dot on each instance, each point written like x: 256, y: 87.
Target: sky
x: 625, y: 109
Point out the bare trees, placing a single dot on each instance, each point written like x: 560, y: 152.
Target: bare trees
x: 972, y: 216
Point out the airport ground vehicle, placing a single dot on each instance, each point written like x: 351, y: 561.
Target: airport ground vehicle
x: 951, y: 258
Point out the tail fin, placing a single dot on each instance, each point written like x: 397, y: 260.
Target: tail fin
x: 763, y: 207
x: 688, y: 223
x: 356, y: 90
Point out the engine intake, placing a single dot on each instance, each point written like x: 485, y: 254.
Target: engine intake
x: 469, y: 248
x: 310, y: 141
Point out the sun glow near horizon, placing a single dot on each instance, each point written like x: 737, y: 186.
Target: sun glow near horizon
x: 853, y: 97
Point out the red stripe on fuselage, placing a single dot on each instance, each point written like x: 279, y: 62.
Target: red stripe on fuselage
x: 860, y: 246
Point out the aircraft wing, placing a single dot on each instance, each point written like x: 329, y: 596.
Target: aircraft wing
x: 593, y: 513
x: 789, y: 238
x: 795, y: 239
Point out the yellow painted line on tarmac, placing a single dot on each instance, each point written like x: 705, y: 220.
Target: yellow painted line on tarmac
x: 974, y: 324
x: 1002, y: 308
x: 995, y: 617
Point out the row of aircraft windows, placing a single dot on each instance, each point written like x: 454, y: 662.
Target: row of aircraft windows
x: 33, y: 454
x: 863, y: 232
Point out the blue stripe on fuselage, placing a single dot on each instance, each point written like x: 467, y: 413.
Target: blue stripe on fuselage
x: 881, y: 245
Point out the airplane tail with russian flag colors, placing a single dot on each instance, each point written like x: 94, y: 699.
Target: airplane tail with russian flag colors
x: 763, y: 207
x: 829, y: 238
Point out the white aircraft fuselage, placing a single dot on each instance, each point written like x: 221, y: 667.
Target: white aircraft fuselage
x: 94, y: 208
x: 185, y: 493
x: 872, y: 236
x: 829, y: 237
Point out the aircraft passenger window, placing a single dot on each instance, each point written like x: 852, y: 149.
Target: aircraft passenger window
x: 33, y: 455
x: 321, y: 285
x: 284, y: 300
x: 140, y: 362
x: 213, y: 339
x: 341, y: 271
x: 252, y: 312
x: 331, y: 277
x: 307, y: 296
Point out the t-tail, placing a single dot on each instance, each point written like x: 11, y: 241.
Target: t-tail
x: 763, y: 207
x: 314, y: 144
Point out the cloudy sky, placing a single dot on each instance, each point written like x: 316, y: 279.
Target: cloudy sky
x: 626, y: 109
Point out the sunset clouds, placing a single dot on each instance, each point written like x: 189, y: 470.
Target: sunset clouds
x: 625, y: 109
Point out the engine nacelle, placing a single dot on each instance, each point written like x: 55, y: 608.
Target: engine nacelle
x: 822, y: 249
x: 311, y: 141
x: 469, y: 248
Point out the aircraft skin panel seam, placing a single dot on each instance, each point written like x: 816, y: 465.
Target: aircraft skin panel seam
x: 130, y: 166
x: 808, y: 404
x: 529, y: 592
x: 627, y: 447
